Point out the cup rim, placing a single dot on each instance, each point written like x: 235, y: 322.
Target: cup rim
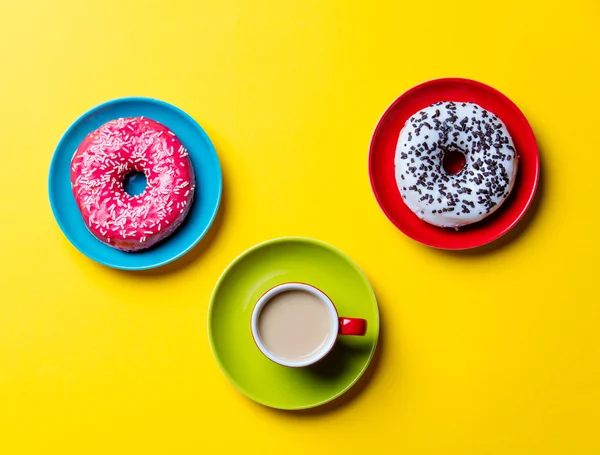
x: 283, y: 287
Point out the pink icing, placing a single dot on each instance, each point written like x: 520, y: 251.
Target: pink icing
x: 102, y: 161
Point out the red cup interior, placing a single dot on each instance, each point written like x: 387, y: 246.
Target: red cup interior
x: 383, y: 149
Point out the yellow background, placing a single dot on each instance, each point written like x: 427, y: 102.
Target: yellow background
x: 484, y: 352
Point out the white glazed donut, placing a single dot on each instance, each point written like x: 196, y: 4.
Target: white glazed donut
x: 481, y: 186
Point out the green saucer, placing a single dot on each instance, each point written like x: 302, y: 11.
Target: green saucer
x: 259, y: 269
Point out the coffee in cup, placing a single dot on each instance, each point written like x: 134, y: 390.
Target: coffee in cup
x: 296, y: 324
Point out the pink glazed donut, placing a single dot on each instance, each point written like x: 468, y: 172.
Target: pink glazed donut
x: 101, y: 163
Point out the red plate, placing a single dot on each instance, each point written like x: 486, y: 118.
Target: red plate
x: 383, y: 150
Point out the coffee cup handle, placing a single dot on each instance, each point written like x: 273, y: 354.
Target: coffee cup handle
x: 353, y: 326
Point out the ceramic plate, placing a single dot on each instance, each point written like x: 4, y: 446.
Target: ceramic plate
x: 208, y: 180
x: 383, y: 150
x: 239, y: 288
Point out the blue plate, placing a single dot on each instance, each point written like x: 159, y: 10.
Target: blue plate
x: 208, y: 184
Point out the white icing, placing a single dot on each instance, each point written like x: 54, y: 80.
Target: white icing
x: 484, y: 183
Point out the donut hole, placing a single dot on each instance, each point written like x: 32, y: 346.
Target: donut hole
x: 135, y: 183
x: 454, y: 161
